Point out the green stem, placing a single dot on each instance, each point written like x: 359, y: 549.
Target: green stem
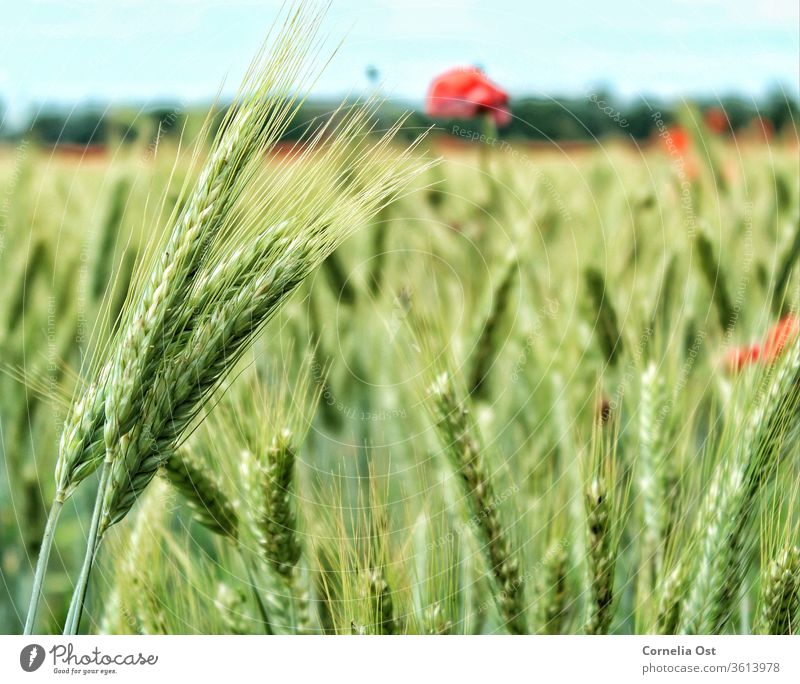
x: 262, y: 609
x: 489, y: 130
x: 79, y: 594
x: 41, y: 564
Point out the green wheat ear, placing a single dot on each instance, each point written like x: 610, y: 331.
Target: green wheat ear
x: 458, y: 436
x: 554, y: 611
x: 241, y: 243
x: 606, y: 322
x: 275, y: 522
x: 780, y: 594
x: 724, y: 524
x: 787, y: 265
x: 605, y: 509
x: 376, y: 592
x: 202, y: 490
x: 103, y: 258
x: 35, y: 266
x: 692, y: 120
x: 488, y: 346
x: 716, y: 279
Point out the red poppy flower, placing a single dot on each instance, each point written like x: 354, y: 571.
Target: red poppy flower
x: 716, y: 120
x: 739, y: 357
x: 782, y: 334
x: 678, y: 140
x: 464, y: 93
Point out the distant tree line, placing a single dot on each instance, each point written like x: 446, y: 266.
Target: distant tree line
x: 594, y: 115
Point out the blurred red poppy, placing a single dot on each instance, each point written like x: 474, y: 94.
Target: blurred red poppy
x: 464, y: 93
x: 678, y: 140
x: 739, y: 357
x: 716, y: 120
x: 781, y: 334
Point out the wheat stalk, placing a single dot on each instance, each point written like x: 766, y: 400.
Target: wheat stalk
x: 133, y: 606
x: 178, y: 342
x: 606, y: 322
x: 459, y: 437
x: 35, y: 265
x: 604, y: 524
x: 201, y: 488
x: 601, y: 556
x: 375, y: 590
x: 723, y: 526
x: 269, y: 481
x: 716, y: 280
x: 232, y: 606
x: 275, y: 521
x: 103, y: 259
x: 788, y: 264
x: 554, y: 572
x: 780, y: 594
x: 488, y: 346
x: 672, y: 593
x: 651, y: 471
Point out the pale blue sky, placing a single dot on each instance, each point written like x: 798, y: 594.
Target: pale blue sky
x: 66, y: 51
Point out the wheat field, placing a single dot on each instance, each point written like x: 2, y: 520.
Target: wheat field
x: 362, y: 388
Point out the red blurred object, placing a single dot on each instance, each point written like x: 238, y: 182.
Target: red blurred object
x: 717, y: 120
x: 465, y: 93
x: 781, y: 334
x: 739, y: 357
x: 678, y: 139
x: 676, y: 142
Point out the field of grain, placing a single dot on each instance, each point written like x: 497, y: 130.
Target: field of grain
x: 349, y: 386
